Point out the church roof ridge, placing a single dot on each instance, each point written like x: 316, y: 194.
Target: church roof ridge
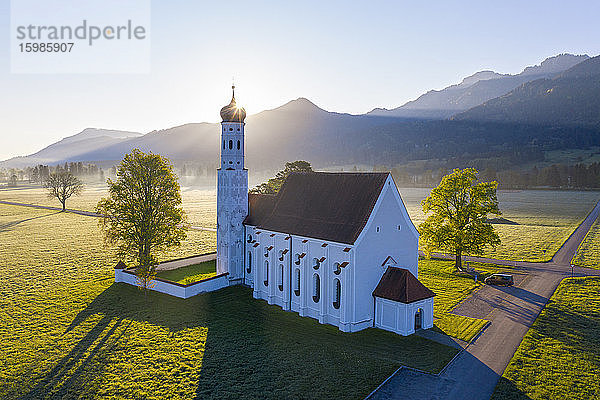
x: 332, y: 206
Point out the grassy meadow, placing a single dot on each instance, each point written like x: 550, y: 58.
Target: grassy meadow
x: 68, y: 331
x: 588, y: 254
x: 559, y: 358
x: 542, y: 220
x: 199, y: 204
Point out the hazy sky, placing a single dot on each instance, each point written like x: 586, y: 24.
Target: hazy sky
x: 345, y: 56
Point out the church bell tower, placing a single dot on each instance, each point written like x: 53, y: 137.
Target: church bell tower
x: 232, y: 192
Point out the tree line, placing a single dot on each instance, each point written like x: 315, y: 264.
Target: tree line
x: 40, y: 173
x: 556, y: 176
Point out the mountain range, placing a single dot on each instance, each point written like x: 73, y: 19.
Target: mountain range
x: 476, y: 89
x: 570, y: 98
x: 497, y: 122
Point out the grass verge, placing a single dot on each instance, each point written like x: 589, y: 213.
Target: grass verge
x: 451, y: 289
x: 559, y: 357
x: 588, y: 253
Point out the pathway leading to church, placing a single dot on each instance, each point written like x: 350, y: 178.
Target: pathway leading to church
x: 473, y: 374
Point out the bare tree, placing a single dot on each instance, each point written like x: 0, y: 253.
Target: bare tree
x: 63, y: 185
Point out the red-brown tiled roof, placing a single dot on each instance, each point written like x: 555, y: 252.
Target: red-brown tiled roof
x: 399, y: 284
x: 321, y: 205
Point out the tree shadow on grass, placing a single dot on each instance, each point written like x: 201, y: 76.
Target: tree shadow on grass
x: 235, y: 326
x: 72, y: 373
x: 250, y: 349
x: 10, y: 225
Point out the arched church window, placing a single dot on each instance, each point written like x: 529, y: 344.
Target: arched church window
x: 337, y: 290
x: 223, y: 144
x: 238, y: 145
x: 337, y: 269
x: 249, y: 267
x: 316, y: 263
x: 297, y: 282
x: 297, y: 259
x: 316, y: 288
x: 280, y: 278
x: 230, y: 144
x: 266, y: 282
x: 249, y: 238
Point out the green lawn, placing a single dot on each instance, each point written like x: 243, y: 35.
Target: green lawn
x: 68, y: 331
x: 450, y: 290
x: 191, y: 273
x: 559, y: 357
x: 588, y: 254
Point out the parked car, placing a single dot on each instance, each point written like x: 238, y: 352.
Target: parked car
x: 500, y: 279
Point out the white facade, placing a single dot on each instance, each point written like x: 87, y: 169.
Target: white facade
x: 328, y: 281
x: 232, y: 201
x: 403, y: 318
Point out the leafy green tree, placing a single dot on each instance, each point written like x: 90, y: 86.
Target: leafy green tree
x: 459, y: 207
x: 143, y: 215
x: 63, y: 185
x: 273, y: 185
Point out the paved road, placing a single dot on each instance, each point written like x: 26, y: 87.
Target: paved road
x: 473, y: 374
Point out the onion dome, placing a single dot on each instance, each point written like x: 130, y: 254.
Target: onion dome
x: 231, y: 112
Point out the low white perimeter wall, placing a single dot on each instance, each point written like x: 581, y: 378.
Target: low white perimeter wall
x: 183, y: 262
x: 173, y: 288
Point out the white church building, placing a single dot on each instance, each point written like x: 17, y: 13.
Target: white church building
x: 336, y: 247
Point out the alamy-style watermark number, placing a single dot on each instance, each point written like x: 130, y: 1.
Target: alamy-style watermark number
x: 71, y: 36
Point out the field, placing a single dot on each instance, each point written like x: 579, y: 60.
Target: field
x: 68, y: 331
x: 190, y: 273
x: 588, y: 254
x: 559, y: 357
x: 542, y: 219
x: 199, y: 204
